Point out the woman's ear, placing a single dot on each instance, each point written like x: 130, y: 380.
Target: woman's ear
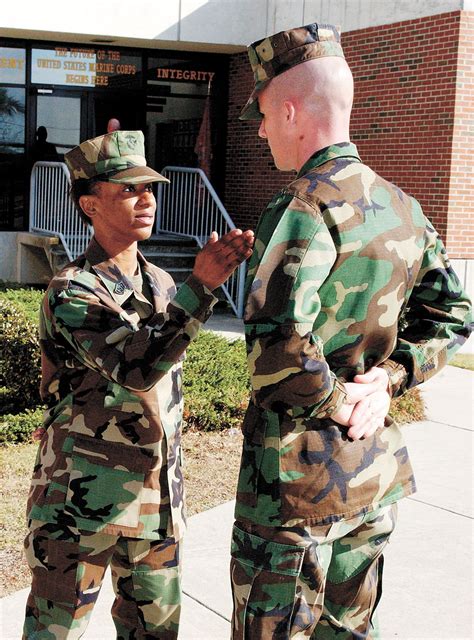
x: 87, y: 205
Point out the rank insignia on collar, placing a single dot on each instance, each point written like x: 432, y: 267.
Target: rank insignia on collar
x: 119, y: 288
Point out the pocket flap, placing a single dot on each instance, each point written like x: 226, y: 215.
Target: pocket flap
x: 114, y: 454
x: 261, y: 554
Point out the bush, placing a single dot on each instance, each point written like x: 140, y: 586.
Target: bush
x: 216, y: 383
x: 27, y: 299
x: 17, y: 428
x: 20, y: 360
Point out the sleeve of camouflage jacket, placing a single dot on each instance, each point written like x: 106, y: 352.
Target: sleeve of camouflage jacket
x: 106, y: 340
x: 437, y: 322
x: 287, y: 365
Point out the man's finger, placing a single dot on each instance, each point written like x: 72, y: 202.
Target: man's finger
x: 368, y: 415
x: 356, y: 392
x: 364, y: 378
x: 361, y: 412
x: 377, y: 375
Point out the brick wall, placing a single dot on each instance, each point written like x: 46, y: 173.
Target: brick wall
x: 251, y: 177
x: 403, y: 116
x: 403, y: 120
x: 460, y: 232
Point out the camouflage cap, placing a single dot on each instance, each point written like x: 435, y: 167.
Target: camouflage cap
x: 117, y: 157
x: 276, y: 54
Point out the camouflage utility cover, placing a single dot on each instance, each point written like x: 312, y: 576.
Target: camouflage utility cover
x: 117, y: 157
x: 109, y: 459
x: 278, y: 53
x: 347, y: 273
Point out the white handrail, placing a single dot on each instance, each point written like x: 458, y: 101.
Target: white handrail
x: 52, y: 210
x: 189, y: 206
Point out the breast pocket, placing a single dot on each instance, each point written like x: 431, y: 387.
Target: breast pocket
x: 106, y: 481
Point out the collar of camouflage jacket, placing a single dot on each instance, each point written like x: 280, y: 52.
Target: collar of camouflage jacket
x: 116, y: 282
x: 339, y: 150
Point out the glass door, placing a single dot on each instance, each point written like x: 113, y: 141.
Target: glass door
x: 58, y: 125
x: 127, y: 111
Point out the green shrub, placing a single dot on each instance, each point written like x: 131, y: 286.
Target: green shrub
x: 27, y: 299
x: 20, y: 360
x: 215, y: 383
x: 17, y: 428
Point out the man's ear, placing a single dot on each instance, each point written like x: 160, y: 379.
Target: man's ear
x: 87, y: 205
x: 290, y: 111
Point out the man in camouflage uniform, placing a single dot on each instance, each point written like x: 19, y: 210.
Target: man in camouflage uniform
x: 107, y: 487
x: 350, y: 299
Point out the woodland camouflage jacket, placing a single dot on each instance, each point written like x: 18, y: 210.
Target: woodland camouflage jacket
x: 347, y: 273
x: 109, y: 459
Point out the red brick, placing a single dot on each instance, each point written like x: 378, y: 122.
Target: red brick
x: 423, y: 134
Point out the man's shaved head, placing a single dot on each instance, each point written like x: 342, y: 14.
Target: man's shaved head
x: 324, y: 85
x: 314, y: 98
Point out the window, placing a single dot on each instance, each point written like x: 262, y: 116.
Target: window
x: 12, y: 136
x: 12, y: 119
x: 12, y: 65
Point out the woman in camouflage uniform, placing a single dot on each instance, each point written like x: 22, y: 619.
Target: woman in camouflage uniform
x: 107, y: 487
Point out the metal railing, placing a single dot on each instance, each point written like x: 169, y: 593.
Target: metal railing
x: 189, y: 206
x: 51, y: 209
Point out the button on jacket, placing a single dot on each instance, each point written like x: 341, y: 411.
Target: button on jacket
x: 109, y: 459
x: 347, y: 273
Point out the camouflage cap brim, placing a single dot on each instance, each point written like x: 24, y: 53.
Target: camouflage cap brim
x: 251, y: 110
x: 136, y: 175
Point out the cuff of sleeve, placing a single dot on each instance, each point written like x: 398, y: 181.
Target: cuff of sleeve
x: 335, y: 400
x: 397, y: 376
x: 195, y: 299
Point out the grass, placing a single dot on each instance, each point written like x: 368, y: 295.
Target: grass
x: 464, y: 361
x: 211, y: 466
x: 16, y: 464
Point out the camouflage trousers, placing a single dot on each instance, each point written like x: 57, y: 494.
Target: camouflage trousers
x: 68, y: 568
x: 321, y: 582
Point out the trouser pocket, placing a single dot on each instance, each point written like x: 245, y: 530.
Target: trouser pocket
x: 264, y: 578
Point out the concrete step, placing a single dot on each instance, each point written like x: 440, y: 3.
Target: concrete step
x: 169, y: 242
x: 174, y: 254
x: 59, y: 258
x: 172, y: 260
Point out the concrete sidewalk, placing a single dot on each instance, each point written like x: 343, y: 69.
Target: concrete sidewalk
x: 428, y: 569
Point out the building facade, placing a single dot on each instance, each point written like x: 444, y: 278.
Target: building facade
x: 153, y: 68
